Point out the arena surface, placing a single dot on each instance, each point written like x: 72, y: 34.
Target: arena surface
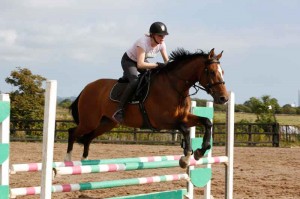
x: 259, y: 173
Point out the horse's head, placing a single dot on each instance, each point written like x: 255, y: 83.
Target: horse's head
x: 212, y: 78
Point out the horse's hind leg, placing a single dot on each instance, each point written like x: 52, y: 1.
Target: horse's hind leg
x: 186, y: 145
x: 104, y: 126
x: 71, y: 140
x: 74, y: 133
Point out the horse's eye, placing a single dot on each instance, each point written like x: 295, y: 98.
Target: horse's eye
x: 212, y: 73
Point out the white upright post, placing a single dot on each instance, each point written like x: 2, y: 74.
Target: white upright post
x: 207, y: 188
x: 48, y: 138
x: 190, y: 187
x: 4, y: 139
x: 230, y: 145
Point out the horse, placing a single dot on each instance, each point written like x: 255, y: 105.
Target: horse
x: 167, y: 104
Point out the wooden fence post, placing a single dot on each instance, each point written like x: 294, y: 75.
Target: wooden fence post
x: 275, y: 137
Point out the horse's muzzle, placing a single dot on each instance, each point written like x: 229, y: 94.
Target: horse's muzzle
x: 221, y: 99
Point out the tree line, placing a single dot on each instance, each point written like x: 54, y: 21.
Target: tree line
x: 27, y: 100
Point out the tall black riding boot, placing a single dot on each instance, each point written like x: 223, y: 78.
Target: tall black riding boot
x: 118, y: 116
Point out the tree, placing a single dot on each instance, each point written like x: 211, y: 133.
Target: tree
x: 242, y: 108
x: 288, y: 109
x: 264, y: 108
x: 27, y: 101
x: 66, y: 103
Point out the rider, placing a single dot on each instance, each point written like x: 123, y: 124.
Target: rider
x: 135, y: 60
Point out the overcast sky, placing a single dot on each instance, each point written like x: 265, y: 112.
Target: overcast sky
x: 76, y: 42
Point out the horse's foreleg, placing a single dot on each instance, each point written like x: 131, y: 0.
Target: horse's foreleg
x: 71, y: 140
x: 187, y: 147
x: 194, y: 120
x: 206, y: 138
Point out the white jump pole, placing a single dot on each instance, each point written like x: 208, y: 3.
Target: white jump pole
x: 207, y: 188
x: 4, y: 139
x: 48, y: 138
x: 190, y: 186
x: 230, y: 145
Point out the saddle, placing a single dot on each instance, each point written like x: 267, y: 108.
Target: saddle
x: 139, y: 97
x: 141, y: 92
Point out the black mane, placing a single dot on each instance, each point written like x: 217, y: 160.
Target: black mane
x: 181, y: 55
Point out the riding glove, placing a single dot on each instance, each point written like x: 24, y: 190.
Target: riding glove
x: 160, y: 65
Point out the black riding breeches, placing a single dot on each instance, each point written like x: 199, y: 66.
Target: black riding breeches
x: 130, y: 68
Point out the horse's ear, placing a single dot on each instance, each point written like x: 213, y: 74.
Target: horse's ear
x: 211, y: 54
x: 219, y: 55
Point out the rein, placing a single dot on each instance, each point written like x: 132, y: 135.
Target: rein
x: 187, y: 83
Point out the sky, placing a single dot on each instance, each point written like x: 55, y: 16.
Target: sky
x: 76, y: 42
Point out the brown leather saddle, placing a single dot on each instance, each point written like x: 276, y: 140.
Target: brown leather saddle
x: 141, y: 92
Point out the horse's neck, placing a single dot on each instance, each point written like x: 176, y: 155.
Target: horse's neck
x: 188, y: 72
x: 178, y: 81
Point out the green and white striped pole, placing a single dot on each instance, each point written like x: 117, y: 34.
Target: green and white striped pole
x: 4, y: 145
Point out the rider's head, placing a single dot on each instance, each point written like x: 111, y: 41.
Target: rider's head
x: 158, y: 31
x: 158, y: 28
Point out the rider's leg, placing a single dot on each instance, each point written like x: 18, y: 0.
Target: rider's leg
x: 127, y: 94
x: 131, y: 73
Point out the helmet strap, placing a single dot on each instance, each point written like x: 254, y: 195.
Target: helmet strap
x: 152, y: 35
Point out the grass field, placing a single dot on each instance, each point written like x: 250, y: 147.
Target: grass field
x: 283, y: 119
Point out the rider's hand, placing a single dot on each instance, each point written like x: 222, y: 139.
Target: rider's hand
x: 160, y: 65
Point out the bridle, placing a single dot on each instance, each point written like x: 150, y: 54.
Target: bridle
x: 207, y: 88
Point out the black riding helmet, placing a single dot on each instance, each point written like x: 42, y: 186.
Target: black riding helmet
x: 158, y: 28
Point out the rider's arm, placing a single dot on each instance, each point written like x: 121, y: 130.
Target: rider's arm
x: 141, y: 60
x: 164, y: 55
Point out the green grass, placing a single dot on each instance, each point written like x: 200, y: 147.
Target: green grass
x: 283, y: 119
x: 63, y: 114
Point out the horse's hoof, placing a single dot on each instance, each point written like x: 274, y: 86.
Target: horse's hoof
x: 183, y: 162
x: 84, y: 158
x: 68, y: 157
x: 199, y: 153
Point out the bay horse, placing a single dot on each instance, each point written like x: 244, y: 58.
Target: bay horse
x: 167, y: 105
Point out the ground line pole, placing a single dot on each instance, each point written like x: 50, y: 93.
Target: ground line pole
x: 230, y: 146
x: 48, y: 138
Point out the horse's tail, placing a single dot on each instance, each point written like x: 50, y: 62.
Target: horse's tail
x: 74, y: 110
